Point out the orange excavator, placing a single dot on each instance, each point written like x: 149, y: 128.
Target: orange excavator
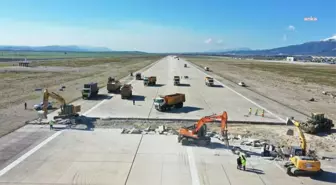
x: 196, y: 134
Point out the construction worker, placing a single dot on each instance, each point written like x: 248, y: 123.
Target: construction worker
x: 133, y: 102
x: 243, y: 160
x: 25, y: 105
x: 250, y: 111
x: 51, y: 124
x: 239, y: 164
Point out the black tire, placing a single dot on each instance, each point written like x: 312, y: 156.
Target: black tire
x: 184, y: 141
x: 289, y: 171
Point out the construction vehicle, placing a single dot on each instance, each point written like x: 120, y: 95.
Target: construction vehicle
x: 317, y: 123
x: 126, y: 91
x: 67, y: 110
x: 209, y: 81
x: 113, y: 86
x: 148, y: 81
x: 163, y: 103
x: 242, y: 84
x: 176, y: 80
x: 299, y: 162
x: 196, y: 134
x: 90, y: 90
x: 206, y: 68
x: 138, y: 76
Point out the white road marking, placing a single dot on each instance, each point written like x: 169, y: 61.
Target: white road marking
x: 193, y: 167
x: 94, y: 107
x: 30, y: 152
x: 241, y: 95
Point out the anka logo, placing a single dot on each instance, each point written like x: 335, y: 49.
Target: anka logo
x: 311, y: 18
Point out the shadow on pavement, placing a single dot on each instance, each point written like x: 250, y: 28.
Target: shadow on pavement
x: 326, y: 176
x: 218, y: 86
x: 215, y: 145
x: 184, y: 85
x: 253, y: 170
x: 156, y: 85
x: 137, y: 98
x: 185, y: 109
x: 101, y: 97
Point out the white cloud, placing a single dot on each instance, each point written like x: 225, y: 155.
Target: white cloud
x: 284, y: 37
x: 291, y: 28
x: 208, y: 41
x: 119, y: 36
x: 219, y: 41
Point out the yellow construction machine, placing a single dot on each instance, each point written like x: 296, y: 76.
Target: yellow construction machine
x: 67, y: 110
x: 299, y: 162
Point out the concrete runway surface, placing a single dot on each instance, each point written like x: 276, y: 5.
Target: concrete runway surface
x: 104, y: 156
x: 34, y: 155
x: 201, y: 100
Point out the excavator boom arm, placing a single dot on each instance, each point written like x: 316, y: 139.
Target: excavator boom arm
x: 303, y: 143
x: 223, y: 117
x: 46, y: 96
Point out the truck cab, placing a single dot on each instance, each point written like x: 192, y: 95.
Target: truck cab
x: 89, y: 90
x: 149, y: 80
x: 158, y: 102
x: 209, y: 81
x: 138, y: 76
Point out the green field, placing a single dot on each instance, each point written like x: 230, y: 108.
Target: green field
x: 85, y: 62
x: 32, y: 55
x: 319, y: 74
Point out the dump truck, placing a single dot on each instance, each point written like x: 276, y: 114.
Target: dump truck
x: 206, y: 68
x: 176, y: 80
x: 209, y: 81
x: 126, y: 91
x: 113, y: 85
x: 164, y: 103
x: 138, y: 76
x: 150, y: 80
x: 90, y: 90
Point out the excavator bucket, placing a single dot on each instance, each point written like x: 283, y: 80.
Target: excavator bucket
x: 290, y: 132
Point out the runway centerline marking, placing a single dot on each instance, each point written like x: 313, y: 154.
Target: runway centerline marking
x: 192, y: 167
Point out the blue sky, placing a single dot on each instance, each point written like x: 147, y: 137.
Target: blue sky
x: 166, y: 26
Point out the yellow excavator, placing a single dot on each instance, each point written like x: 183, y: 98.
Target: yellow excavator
x: 299, y: 162
x: 67, y: 110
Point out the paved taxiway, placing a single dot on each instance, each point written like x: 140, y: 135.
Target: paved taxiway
x: 201, y: 100
x: 104, y: 156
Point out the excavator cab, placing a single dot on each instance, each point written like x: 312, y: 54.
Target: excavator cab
x: 196, y: 134
x: 299, y: 162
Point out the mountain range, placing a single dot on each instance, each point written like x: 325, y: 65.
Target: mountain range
x: 72, y: 48
x: 326, y: 47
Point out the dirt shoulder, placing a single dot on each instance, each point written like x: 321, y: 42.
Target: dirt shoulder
x: 289, y: 84
x: 22, y: 86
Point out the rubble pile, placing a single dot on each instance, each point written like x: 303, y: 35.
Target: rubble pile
x: 317, y: 123
x: 161, y: 130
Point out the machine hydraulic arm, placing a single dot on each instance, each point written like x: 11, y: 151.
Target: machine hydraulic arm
x: 197, y: 132
x: 46, y: 96
x: 303, y: 143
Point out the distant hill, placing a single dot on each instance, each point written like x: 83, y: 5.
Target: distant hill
x: 72, y: 48
x: 230, y: 50
x: 326, y: 47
